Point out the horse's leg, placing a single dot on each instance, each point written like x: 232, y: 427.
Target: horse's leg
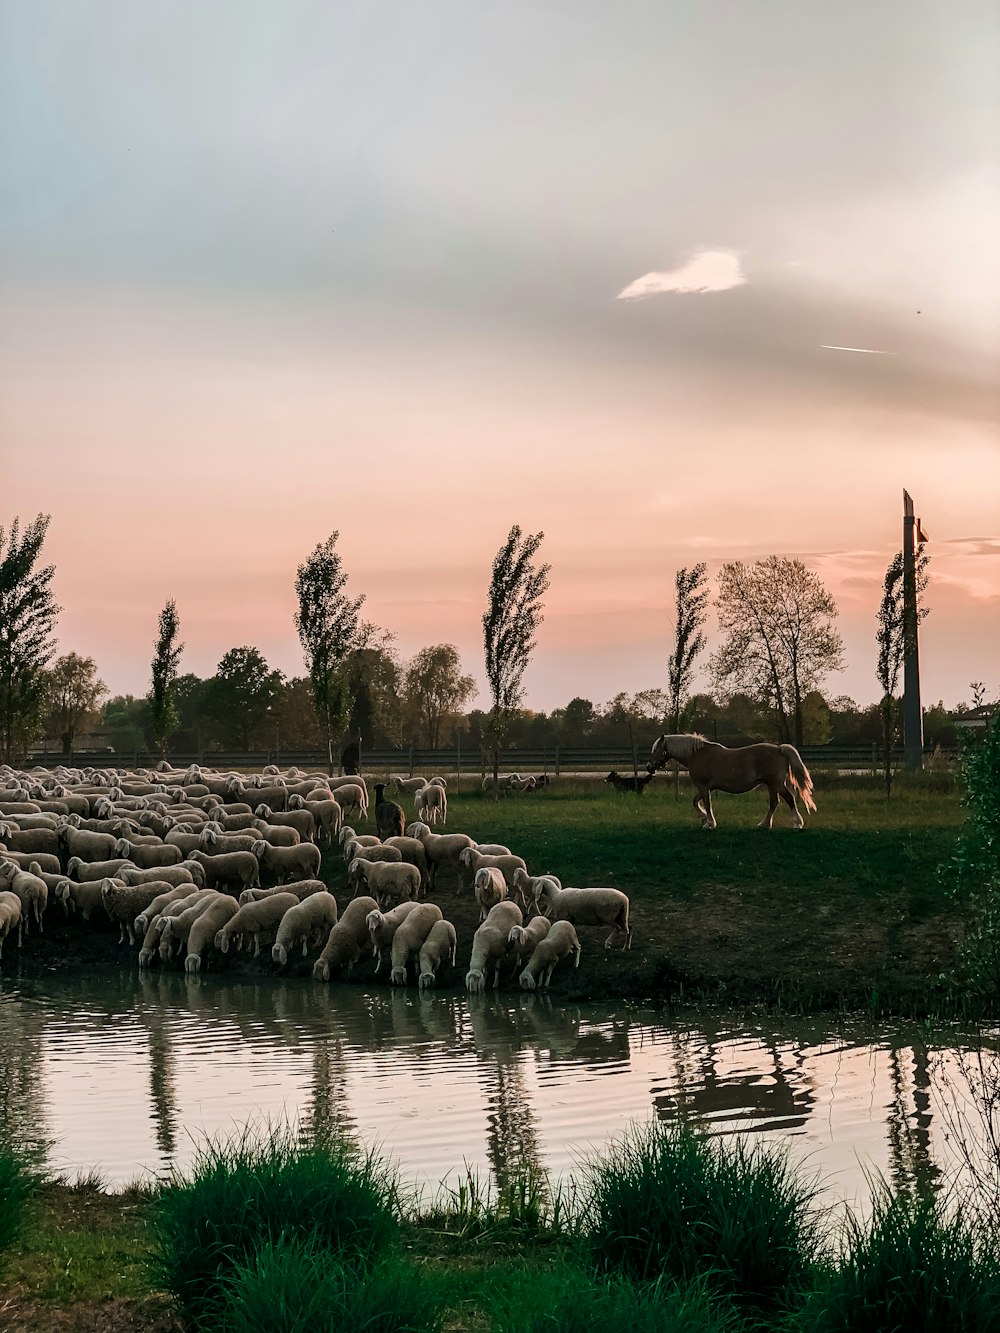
x: 788, y: 796
x: 709, y: 813
x: 699, y: 808
x: 772, y: 792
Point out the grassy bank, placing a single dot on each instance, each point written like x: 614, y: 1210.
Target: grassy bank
x: 667, y: 1230
x: 850, y: 913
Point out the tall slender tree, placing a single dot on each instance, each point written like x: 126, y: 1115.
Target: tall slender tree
x: 691, y: 606
x: 163, y: 693
x: 28, y: 614
x: 890, y: 638
x: 330, y: 630
x: 510, y: 622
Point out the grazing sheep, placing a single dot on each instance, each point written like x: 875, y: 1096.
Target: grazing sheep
x: 350, y: 797
x: 205, y: 929
x: 412, y: 851
x: 382, y: 926
x: 385, y: 880
x: 346, y: 940
x: 309, y: 922
x: 523, y: 939
x: 148, y: 857
x: 490, y: 887
x: 124, y: 902
x: 169, y: 894
x: 302, y: 888
x: 151, y: 937
x: 441, y: 849
x: 174, y: 930
x: 586, y: 907
x: 409, y: 939
x: 187, y: 872
x: 474, y: 861
x: 389, y: 818
x: 301, y: 862
x: 430, y: 802
x: 10, y: 916
x: 490, y: 947
x: 440, y: 946
x: 560, y: 941
x: 257, y: 920
x: 31, y: 892
x: 87, y: 872
x: 239, y: 870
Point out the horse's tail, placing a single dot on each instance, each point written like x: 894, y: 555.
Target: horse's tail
x: 799, y: 775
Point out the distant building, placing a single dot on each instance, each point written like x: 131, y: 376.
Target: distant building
x: 976, y: 719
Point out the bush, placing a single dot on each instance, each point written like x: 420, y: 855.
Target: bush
x: 668, y: 1203
x: 975, y: 869
x: 568, y: 1300
x: 915, y: 1269
x: 18, y: 1181
x: 246, y: 1192
x: 294, y: 1285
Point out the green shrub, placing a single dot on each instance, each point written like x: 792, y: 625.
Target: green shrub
x: 974, y: 871
x: 567, y: 1300
x: 294, y: 1285
x: 261, y: 1187
x: 915, y: 1269
x: 18, y: 1180
x: 666, y: 1202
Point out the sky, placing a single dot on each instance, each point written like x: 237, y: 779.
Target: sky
x: 415, y: 272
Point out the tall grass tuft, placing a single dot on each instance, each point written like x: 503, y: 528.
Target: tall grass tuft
x: 917, y: 1268
x: 19, y: 1178
x: 570, y: 1301
x: 666, y: 1202
x: 294, y: 1285
x: 263, y: 1185
x: 525, y: 1204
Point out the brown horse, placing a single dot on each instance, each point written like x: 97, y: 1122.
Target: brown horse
x: 715, y: 767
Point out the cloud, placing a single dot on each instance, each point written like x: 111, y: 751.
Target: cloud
x: 705, y: 271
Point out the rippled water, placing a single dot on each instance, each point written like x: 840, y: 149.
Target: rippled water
x: 128, y: 1073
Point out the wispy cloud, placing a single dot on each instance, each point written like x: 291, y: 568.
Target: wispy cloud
x: 868, y: 351
x: 705, y: 271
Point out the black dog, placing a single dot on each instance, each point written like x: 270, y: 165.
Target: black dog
x: 637, y: 784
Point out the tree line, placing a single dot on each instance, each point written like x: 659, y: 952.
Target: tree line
x: 778, y: 643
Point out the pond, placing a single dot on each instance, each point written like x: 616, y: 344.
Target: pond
x: 126, y: 1073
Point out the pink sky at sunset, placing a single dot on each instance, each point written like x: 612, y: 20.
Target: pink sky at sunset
x: 295, y: 300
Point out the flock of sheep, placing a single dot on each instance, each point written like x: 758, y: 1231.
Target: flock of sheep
x: 191, y: 862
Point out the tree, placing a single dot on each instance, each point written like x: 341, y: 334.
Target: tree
x: 436, y: 690
x: 163, y: 693
x: 510, y: 622
x: 374, y: 682
x: 241, y: 694
x: 126, y: 721
x: 330, y: 629
x: 28, y: 613
x: 779, y: 638
x: 75, y: 694
x: 890, y: 638
x: 691, y: 586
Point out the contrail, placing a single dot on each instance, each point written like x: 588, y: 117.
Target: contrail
x: 869, y: 351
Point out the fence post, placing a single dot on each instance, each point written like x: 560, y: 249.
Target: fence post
x: 458, y: 760
x: 557, y: 761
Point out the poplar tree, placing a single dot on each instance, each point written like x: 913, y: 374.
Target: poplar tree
x: 163, y: 691
x: 510, y: 622
x: 28, y: 614
x: 890, y: 638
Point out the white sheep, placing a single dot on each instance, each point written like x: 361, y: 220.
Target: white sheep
x: 385, y: 880
x: 524, y: 886
x: 412, y: 851
x: 346, y: 940
x: 347, y: 836
x: 301, y: 862
x: 398, y: 783
x: 86, y: 845
x: 382, y: 926
x: 302, y: 888
x: 586, y: 907
x: 10, y: 916
x: 258, y: 920
x: 82, y: 898
x: 310, y: 922
x: 87, y: 872
x: 205, y: 929
x: 490, y: 888
x: 440, y: 946
x: 357, y: 850
x: 473, y: 860
x: 233, y: 870
x: 490, y: 947
x: 148, y: 856
x: 301, y: 822
x: 169, y: 894
x: 523, y: 939
x: 409, y: 939
x: 188, y: 872
x: 352, y: 796
x: 442, y: 849
x: 560, y: 941
x: 31, y: 892
x: 174, y: 930
x: 430, y: 802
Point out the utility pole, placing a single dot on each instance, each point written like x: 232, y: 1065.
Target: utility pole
x: 913, y: 717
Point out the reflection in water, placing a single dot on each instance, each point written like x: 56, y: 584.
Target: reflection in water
x: 129, y: 1074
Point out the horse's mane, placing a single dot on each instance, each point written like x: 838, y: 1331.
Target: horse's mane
x: 684, y: 745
